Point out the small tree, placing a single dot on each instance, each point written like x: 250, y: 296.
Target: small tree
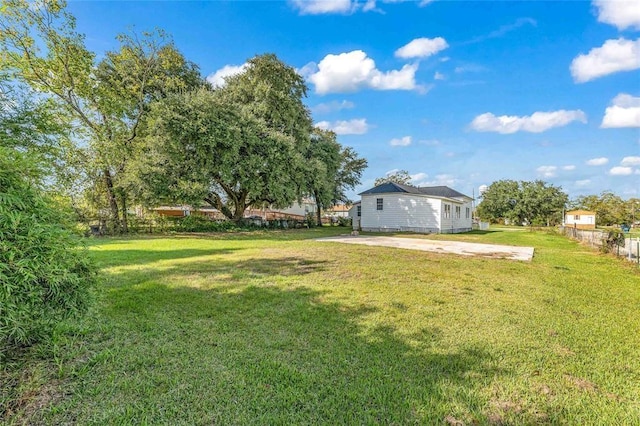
x: 44, y: 276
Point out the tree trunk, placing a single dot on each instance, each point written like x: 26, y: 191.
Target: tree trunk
x: 113, y: 202
x: 318, y: 212
x: 238, y: 214
x: 125, y: 224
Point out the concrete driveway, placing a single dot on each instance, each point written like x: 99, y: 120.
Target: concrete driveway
x: 452, y: 247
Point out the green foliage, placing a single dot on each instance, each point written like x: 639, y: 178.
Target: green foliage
x: 233, y: 147
x: 344, y: 221
x: 104, y: 102
x: 200, y: 223
x: 401, y: 176
x: 534, y: 203
x: 609, y: 208
x: 331, y: 170
x: 44, y: 275
x: 615, y: 238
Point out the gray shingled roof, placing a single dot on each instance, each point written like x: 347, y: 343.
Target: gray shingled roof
x: 434, y: 191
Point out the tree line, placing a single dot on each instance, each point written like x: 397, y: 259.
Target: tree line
x: 141, y: 125
x: 540, y: 203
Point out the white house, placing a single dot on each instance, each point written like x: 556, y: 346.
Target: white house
x: 581, y: 219
x: 394, y: 207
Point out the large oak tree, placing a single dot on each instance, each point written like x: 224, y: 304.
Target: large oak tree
x: 232, y: 147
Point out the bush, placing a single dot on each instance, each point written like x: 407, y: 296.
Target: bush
x: 344, y: 221
x: 45, y: 275
x: 614, y: 238
x: 200, y: 223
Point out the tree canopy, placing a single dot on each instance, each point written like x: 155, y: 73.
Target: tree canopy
x: 533, y: 203
x: 140, y: 125
x: 104, y: 103
x: 400, y: 176
x: 610, y: 209
x: 332, y: 170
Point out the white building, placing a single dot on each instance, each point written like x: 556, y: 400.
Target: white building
x: 581, y: 219
x: 394, y: 207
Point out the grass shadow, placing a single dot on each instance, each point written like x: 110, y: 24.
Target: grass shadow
x: 263, y: 355
x: 129, y: 257
x: 216, y: 271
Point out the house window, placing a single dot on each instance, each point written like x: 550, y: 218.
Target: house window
x: 359, y: 211
x: 576, y: 217
x: 447, y: 211
x: 458, y: 212
x: 467, y: 213
x: 379, y: 203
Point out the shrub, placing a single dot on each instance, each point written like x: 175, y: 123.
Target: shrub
x: 200, y: 223
x: 614, y: 238
x: 45, y: 275
x: 344, y: 221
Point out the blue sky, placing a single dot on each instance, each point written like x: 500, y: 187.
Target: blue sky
x: 457, y: 93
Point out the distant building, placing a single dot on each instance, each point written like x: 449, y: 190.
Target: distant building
x: 339, y: 210
x: 297, y: 211
x: 581, y: 219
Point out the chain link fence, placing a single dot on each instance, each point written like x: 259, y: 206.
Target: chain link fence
x: 607, y: 241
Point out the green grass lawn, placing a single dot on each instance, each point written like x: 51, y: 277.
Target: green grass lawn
x: 274, y: 328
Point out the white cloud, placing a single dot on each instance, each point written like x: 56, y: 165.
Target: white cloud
x: 349, y: 72
x: 569, y: 167
x: 422, y: 179
x: 535, y: 123
x: 327, y: 107
x: 613, y: 56
x: 583, y: 182
x: 358, y: 126
x: 621, y: 171
x: 622, y: 14
x: 504, y: 29
x: 623, y: 112
x: 418, y: 179
x: 547, y: 171
x: 422, y: 48
x: 308, y: 70
x: 403, y: 141
x: 600, y: 161
x: 318, y: 7
x: 217, y: 79
x: 443, y: 179
x: 630, y: 161
x: 369, y: 6
x: 438, y: 76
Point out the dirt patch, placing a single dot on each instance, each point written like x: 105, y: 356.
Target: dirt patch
x: 28, y: 396
x: 452, y: 421
x: 582, y: 384
x: 500, y: 409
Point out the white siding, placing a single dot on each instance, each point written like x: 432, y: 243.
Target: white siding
x: 355, y: 219
x: 400, y: 212
x: 409, y: 212
x: 584, y: 219
x: 299, y: 209
x: 455, y: 224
